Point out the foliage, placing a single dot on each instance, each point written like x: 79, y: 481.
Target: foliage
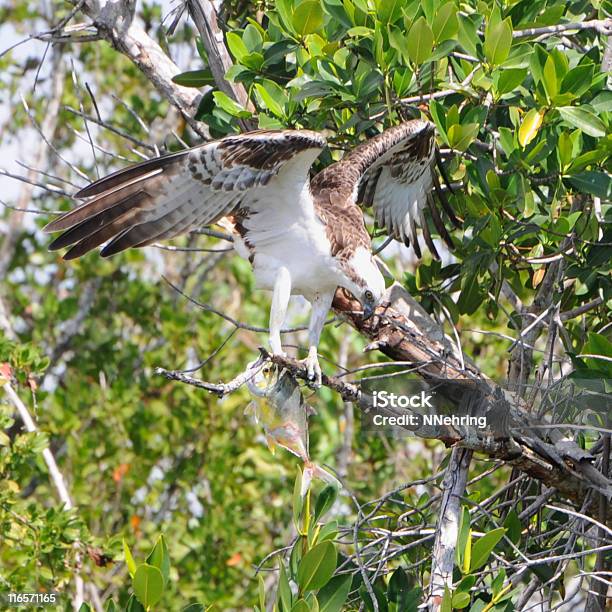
x: 523, y: 124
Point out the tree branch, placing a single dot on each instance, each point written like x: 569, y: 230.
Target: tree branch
x: 447, y: 529
x: 603, y: 26
x: 205, y: 18
x: 114, y: 22
x: 403, y: 331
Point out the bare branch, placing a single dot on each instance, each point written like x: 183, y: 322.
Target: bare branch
x: 114, y: 21
x: 443, y: 559
x: 602, y: 26
x: 205, y: 18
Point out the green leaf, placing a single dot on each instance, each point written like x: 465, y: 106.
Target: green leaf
x: 194, y: 78
x: 329, y: 531
x: 85, y: 607
x: 300, y: 606
x: 549, y: 78
x: 506, y: 139
x: 398, y: 584
x: 285, y: 10
x: 148, y: 584
x: 461, y: 600
x: 261, y: 591
x: 333, y: 595
x: 129, y: 560
x: 484, y: 546
x: 317, y: 566
x: 389, y: 10
x: 505, y: 81
x: 447, y: 599
x: 445, y: 24
x: 460, y: 137
x: 133, y: 605
x: 359, y: 31
x: 402, y: 78
x: 596, y: 183
x: 284, y: 590
x: 498, y: 40
x: 272, y: 96
x: 110, y: 606
x: 438, y: 114
x: 470, y: 297
x: 602, y: 102
x: 513, y: 526
x: 584, y: 120
x: 364, y: 595
x: 160, y: 559
x: 467, y: 552
x: 308, y: 17
x: 529, y: 126
x: 468, y: 34
x: 194, y: 607
x: 231, y: 107
x: 252, y: 38
x: 397, y: 39
x: 564, y: 149
x: 236, y: 46
x: 578, y: 80
x: 325, y: 501
x: 420, y: 41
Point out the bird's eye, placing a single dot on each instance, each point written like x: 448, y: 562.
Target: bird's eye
x: 369, y: 296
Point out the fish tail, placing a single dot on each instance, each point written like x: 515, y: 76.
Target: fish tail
x: 312, y: 470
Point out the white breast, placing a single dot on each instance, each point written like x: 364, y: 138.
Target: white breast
x: 290, y: 234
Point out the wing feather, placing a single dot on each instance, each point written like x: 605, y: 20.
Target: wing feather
x: 394, y: 174
x: 167, y: 196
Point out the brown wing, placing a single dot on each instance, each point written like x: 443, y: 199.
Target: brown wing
x: 394, y: 174
x: 163, y: 197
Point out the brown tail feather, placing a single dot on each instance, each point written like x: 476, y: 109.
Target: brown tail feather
x: 128, y: 175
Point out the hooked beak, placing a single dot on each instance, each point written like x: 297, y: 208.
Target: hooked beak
x: 368, y: 311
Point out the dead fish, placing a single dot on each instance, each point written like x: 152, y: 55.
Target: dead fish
x: 280, y: 408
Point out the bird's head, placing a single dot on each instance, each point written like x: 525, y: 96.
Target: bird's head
x: 364, y: 280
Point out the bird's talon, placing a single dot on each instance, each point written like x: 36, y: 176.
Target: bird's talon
x: 313, y: 370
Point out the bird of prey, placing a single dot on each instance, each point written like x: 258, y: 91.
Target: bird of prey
x: 303, y: 236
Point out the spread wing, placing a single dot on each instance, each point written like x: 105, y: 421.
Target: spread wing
x: 166, y: 196
x: 394, y: 174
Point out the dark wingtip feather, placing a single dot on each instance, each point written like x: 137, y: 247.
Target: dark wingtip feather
x: 438, y: 223
x: 427, y: 236
x: 442, y: 169
x: 444, y: 201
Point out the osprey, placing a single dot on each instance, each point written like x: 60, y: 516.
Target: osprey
x: 302, y: 236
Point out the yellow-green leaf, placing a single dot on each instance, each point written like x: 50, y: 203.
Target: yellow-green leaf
x: 308, y: 17
x: 445, y: 24
x: 129, y: 560
x: 460, y: 137
x: 148, y: 584
x: 530, y: 125
x: 420, y: 41
x: 498, y: 40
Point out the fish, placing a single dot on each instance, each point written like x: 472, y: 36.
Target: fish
x: 279, y: 407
